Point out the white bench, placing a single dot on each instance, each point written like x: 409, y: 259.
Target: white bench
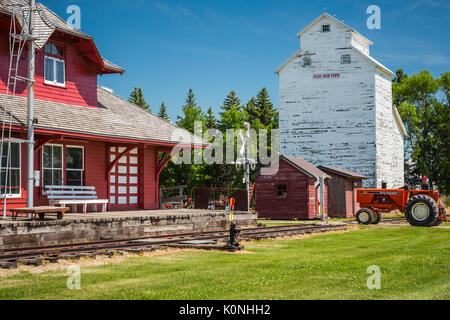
x: 74, y: 196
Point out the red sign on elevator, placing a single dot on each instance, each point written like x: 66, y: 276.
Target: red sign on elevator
x: 326, y: 76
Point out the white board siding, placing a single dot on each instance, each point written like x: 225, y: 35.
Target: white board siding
x: 345, y: 122
x: 390, y: 144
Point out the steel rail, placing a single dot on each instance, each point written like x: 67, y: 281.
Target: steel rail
x: 52, y: 251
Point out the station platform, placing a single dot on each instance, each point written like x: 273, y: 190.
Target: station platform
x: 75, y: 228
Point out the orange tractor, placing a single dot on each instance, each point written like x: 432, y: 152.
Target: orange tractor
x: 421, y: 207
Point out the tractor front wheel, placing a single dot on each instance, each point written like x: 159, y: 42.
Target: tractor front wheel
x: 364, y: 216
x: 422, y: 211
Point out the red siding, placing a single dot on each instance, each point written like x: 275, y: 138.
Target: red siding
x: 81, y: 76
x: 95, y: 173
x: 297, y: 203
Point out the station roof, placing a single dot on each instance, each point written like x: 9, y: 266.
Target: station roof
x: 115, y: 118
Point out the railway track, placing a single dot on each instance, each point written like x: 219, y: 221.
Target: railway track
x: 10, y: 258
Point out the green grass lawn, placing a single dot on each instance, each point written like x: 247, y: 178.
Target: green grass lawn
x: 415, y: 264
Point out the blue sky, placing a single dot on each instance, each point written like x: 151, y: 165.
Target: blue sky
x: 213, y: 47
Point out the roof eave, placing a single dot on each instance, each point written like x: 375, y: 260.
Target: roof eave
x: 339, y: 173
x: 295, y: 55
x: 87, y: 135
x: 326, y: 15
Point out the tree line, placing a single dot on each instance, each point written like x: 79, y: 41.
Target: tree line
x: 423, y: 103
x: 259, y: 111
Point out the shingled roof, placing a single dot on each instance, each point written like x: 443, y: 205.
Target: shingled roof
x: 47, y: 22
x: 299, y: 164
x: 305, y: 166
x: 343, y: 173
x: 114, y: 118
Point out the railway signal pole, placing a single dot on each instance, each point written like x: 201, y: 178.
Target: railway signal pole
x: 247, y: 162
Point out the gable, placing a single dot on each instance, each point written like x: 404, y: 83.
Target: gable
x: 48, y: 24
x: 326, y: 18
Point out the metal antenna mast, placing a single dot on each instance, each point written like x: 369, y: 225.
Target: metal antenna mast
x: 17, y: 42
x: 30, y: 119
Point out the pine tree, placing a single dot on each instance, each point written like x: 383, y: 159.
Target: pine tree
x: 231, y: 101
x: 210, y: 121
x: 191, y: 113
x: 264, y: 107
x: 251, y: 110
x: 137, y: 97
x: 188, y: 174
x: 232, y: 115
x: 163, y: 112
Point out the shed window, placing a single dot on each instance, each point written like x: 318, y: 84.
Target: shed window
x: 346, y: 59
x: 326, y: 28
x: 282, y: 190
x: 10, y: 178
x: 55, y: 72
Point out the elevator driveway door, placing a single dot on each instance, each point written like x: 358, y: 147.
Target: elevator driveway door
x: 124, y: 180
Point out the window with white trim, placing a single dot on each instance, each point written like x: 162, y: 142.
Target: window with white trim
x: 346, y: 59
x: 307, y: 62
x: 10, y: 183
x: 74, y: 166
x: 52, y: 165
x: 326, y: 28
x: 54, y: 68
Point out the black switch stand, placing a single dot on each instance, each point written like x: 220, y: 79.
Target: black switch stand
x: 234, y: 233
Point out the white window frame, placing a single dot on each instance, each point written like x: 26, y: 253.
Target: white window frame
x: 326, y: 25
x: 82, y: 160
x: 54, y: 82
x: 344, y: 56
x: 62, y: 162
x: 306, y: 59
x: 18, y: 195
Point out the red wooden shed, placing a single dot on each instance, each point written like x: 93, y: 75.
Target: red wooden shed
x: 289, y: 190
x: 342, y: 191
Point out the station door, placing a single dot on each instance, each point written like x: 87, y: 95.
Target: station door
x: 124, y: 180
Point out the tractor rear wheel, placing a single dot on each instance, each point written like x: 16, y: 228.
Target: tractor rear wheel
x: 422, y: 211
x: 377, y: 217
x: 364, y: 216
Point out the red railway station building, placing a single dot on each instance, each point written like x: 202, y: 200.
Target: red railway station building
x: 85, y: 135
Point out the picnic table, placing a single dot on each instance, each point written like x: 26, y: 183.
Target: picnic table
x: 39, y: 212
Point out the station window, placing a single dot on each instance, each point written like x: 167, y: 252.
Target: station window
x: 53, y: 165
x: 326, y: 28
x: 346, y: 59
x: 61, y: 167
x: 74, y: 166
x: 55, y: 72
x: 10, y: 174
x: 282, y: 190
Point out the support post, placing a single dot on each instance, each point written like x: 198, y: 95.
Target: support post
x: 30, y: 118
x: 322, y: 197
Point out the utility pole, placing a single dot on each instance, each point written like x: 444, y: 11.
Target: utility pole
x: 30, y: 119
x: 247, y: 162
